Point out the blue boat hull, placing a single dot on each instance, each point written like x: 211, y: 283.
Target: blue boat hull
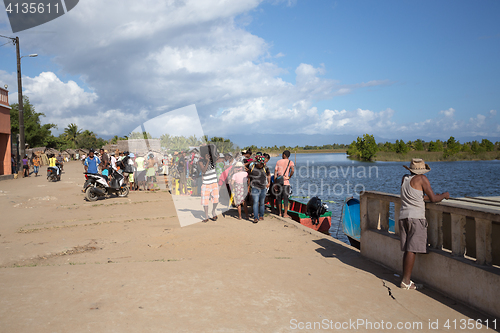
x: 351, y: 224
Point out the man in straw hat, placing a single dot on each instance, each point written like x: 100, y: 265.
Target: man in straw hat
x: 415, y: 188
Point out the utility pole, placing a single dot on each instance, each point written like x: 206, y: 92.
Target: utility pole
x: 21, y: 147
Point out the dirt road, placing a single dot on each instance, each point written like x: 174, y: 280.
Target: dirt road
x: 126, y: 265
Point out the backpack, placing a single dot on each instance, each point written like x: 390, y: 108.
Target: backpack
x: 252, y: 166
x: 279, y: 180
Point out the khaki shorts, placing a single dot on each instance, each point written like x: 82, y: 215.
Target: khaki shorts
x: 413, y: 233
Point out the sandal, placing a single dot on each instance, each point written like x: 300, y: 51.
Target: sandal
x: 205, y: 221
x: 214, y: 218
x: 409, y: 286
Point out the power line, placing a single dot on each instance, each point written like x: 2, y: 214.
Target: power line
x: 8, y: 37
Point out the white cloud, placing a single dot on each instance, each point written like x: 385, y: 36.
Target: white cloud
x: 11, y: 80
x: 448, y: 113
x: 478, y: 121
x: 289, y: 3
x: 144, y: 60
x: 54, y: 97
x: 493, y: 112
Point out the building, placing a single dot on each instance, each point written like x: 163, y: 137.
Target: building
x: 5, y: 139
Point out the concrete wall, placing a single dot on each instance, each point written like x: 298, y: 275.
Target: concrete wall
x: 471, y: 284
x: 462, y: 278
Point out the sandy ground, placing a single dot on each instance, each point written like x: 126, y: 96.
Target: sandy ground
x: 126, y: 265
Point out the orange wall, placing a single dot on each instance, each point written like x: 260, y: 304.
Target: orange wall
x: 5, y: 144
x: 4, y: 120
x: 4, y: 97
x: 5, y: 163
x: 4, y: 112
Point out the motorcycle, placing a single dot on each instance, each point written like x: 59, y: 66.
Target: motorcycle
x: 98, y: 186
x: 54, y: 173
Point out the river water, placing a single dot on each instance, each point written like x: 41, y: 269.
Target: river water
x: 333, y: 177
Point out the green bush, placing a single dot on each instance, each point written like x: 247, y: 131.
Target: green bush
x: 452, y: 147
x: 400, y: 147
x: 435, y: 146
x: 363, y: 148
x: 487, y: 145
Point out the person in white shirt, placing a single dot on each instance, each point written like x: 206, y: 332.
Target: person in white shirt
x: 113, y: 161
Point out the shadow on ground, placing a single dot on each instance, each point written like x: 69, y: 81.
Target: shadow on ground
x: 390, y: 279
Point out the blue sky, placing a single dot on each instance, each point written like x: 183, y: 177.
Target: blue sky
x: 395, y: 69
x: 433, y: 52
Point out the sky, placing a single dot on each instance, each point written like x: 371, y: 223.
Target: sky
x: 265, y: 71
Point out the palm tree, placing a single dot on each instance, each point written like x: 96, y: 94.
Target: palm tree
x: 166, y: 141
x: 193, y: 140
x: 71, y: 134
x: 179, y: 143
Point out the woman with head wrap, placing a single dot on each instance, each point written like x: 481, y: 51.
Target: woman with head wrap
x: 260, y: 178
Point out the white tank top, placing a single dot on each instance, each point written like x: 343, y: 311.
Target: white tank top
x: 412, y: 201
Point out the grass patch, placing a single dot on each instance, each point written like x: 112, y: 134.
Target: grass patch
x: 436, y: 156
x: 26, y: 265
x: 163, y: 260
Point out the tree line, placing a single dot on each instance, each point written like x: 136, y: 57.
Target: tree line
x: 365, y: 148
x: 38, y: 135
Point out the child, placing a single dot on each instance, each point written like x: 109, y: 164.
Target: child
x: 239, y: 187
x: 36, y: 165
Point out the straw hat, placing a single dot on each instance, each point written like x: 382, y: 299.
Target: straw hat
x: 418, y: 166
x: 239, y: 164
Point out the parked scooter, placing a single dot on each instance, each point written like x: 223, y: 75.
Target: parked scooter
x: 54, y: 173
x: 99, y: 186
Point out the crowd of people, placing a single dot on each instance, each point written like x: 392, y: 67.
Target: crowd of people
x: 31, y: 165
x: 247, y: 179
x: 243, y: 177
x: 141, y: 170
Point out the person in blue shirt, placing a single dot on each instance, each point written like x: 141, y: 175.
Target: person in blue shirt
x: 91, y: 162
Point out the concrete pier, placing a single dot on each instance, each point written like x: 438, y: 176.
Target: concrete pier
x: 462, y: 259
x: 126, y: 265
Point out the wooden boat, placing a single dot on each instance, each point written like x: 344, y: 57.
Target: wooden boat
x: 297, y: 211
x: 351, y: 221
x: 351, y: 224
